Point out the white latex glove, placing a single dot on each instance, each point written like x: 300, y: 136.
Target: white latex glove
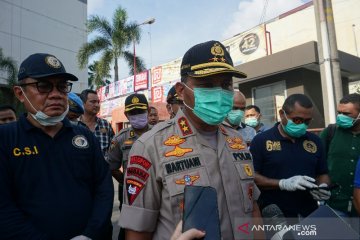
x: 297, y: 183
x: 81, y: 237
x: 320, y: 194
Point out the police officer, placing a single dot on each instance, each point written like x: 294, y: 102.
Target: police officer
x: 54, y: 182
x: 173, y: 102
x: 136, y: 111
x: 191, y: 149
x: 290, y: 162
x: 76, y: 109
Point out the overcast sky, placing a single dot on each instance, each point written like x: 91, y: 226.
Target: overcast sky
x: 181, y: 24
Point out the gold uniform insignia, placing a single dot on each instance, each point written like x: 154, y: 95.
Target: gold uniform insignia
x: 175, y: 140
x: 235, y: 143
x: 178, y: 152
x: 132, y: 133
x: 310, y: 146
x: 135, y: 100
x: 248, y: 170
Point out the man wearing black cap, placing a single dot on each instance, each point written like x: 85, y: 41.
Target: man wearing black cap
x: 192, y: 149
x: 174, y: 103
x: 54, y: 182
x: 136, y: 111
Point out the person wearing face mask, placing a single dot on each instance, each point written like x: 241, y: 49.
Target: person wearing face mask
x: 76, y: 109
x: 54, y: 181
x: 174, y: 103
x: 253, y: 117
x: 136, y: 111
x: 289, y: 162
x: 343, y: 152
x: 193, y: 148
x: 234, y: 117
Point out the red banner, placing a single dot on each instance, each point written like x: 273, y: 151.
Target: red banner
x: 141, y: 81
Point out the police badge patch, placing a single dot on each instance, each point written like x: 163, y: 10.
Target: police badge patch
x: 80, y: 141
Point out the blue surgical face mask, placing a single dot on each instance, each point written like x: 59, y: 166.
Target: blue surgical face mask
x: 211, y: 104
x: 138, y: 121
x: 252, y: 121
x: 294, y: 130
x: 235, y: 116
x: 44, y: 119
x: 344, y: 121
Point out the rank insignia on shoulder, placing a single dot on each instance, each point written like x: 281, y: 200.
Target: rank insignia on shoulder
x: 132, y: 133
x: 310, y: 146
x: 184, y: 126
x: 187, y: 180
x: 133, y: 188
x: 236, y: 143
x: 112, y: 145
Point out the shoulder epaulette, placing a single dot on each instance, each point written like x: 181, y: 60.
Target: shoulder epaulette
x: 157, y: 128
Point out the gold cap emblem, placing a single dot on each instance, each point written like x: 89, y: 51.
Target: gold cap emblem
x: 53, y: 62
x: 217, y: 50
x: 134, y: 100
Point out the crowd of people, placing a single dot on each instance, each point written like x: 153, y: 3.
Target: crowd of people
x: 58, y: 159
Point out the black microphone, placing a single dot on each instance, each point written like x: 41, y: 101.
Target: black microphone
x: 273, y: 216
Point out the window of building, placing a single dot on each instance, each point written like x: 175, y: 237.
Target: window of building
x: 269, y: 99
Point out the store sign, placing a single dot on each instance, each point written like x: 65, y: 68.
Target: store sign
x: 157, y: 94
x: 141, y: 81
x: 156, y: 75
x: 249, y: 43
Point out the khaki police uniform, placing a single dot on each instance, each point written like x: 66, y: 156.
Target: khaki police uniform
x: 172, y: 155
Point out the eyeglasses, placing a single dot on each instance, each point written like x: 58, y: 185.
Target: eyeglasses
x: 47, y: 87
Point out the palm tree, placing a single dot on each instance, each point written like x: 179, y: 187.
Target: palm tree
x: 112, y: 42
x: 9, y: 67
x: 97, y: 77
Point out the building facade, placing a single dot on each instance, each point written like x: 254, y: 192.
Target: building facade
x: 45, y: 26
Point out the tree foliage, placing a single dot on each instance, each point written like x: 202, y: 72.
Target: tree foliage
x: 111, y: 41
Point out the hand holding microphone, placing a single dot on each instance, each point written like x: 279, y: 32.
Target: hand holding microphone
x: 297, y: 183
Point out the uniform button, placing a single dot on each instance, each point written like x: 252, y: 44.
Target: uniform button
x: 351, y: 160
x: 351, y: 185
x: 351, y: 173
x: 353, y: 148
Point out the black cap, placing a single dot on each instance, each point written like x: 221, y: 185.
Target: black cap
x: 208, y: 58
x: 136, y: 101
x: 40, y: 65
x: 172, y: 96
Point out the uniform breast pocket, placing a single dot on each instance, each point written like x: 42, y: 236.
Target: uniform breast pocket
x: 82, y: 165
x: 176, y: 183
x: 245, y: 170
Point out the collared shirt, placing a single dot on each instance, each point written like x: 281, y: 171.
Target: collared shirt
x: 262, y: 128
x: 52, y: 187
x: 342, y: 157
x: 278, y: 157
x: 174, y: 154
x: 104, y: 133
